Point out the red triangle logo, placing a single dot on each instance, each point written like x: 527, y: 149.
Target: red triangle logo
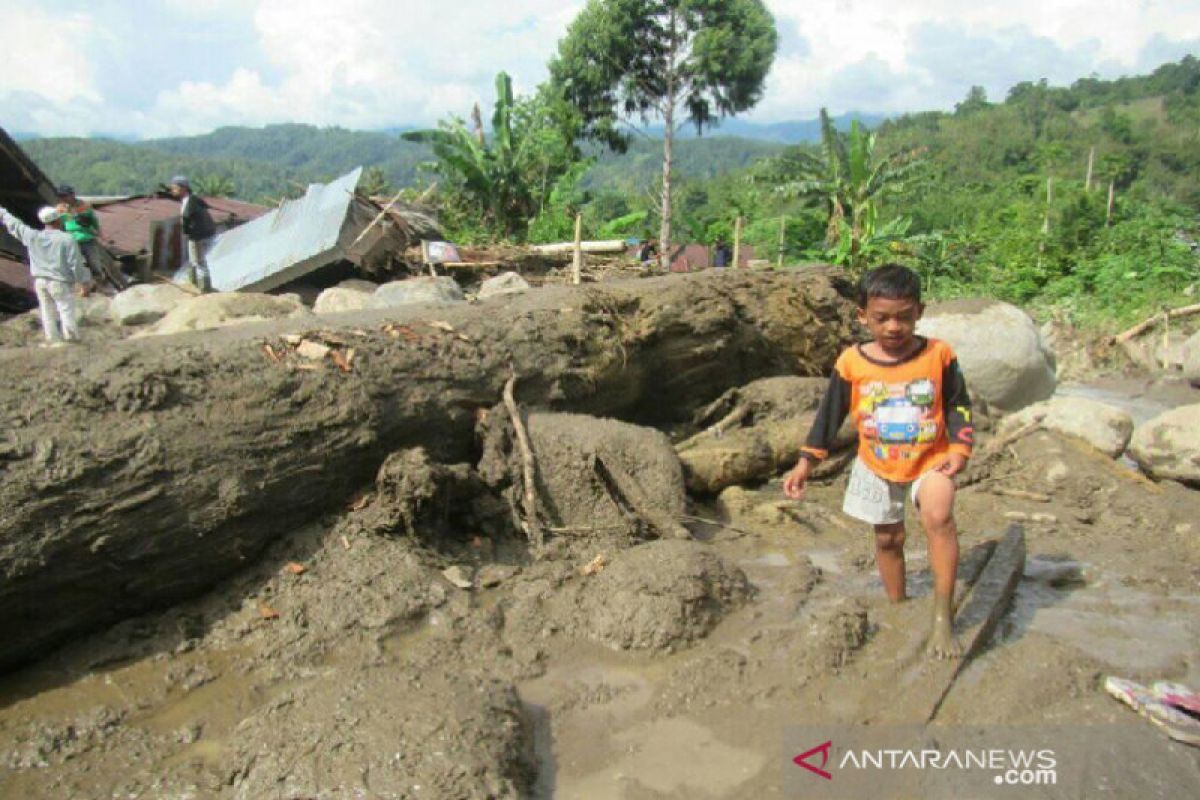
x: 823, y: 749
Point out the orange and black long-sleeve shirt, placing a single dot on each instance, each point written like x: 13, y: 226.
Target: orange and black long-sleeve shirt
x: 910, y: 414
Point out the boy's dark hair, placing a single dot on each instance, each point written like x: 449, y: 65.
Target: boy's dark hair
x: 893, y: 281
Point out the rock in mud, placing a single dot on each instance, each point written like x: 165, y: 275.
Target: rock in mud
x: 1168, y: 446
x: 502, y: 284
x: 417, y: 290
x: 145, y: 303
x: 1102, y: 426
x: 1003, y: 356
x: 656, y: 596
x: 384, y: 732
x: 596, y: 477
x: 95, y: 309
x: 222, y: 309
x: 660, y: 596
x: 1191, y: 359
x: 336, y: 300
x: 604, y: 473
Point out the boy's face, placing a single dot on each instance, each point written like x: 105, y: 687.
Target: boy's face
x: 891, y: 321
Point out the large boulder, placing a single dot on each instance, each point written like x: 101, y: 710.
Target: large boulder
x: 1005, y: 360
x: 1168, y: 446
x: 336, y: 300
x: 1191, y: 359
x: 1102, y: 426
x: 505, y: 283
x: 417, y: 290
x: 358, y: 285
x: 95, y: 309
x: 146, y: 302
x: 220, y: 310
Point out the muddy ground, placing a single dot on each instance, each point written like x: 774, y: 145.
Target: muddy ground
x: 345, y: 664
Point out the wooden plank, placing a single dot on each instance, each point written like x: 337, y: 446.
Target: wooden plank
x: 987, y: 603
x: 988, y: 576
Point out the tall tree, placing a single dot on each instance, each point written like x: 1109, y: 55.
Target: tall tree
x: 676, y: 60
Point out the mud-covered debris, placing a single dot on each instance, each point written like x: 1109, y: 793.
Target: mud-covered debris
x: 267, y: 612
x: 595, y: 566
x: 294, y: 568
x: 314, y: 351
x: 492, y: 575
x: 459, y: 576
x: 596, y: 478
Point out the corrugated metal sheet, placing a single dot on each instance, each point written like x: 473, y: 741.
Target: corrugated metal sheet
x: 293, y: 240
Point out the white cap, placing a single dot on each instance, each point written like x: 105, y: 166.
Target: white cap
x: 47, y: 214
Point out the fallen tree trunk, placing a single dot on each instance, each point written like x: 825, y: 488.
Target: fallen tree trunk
x: 138, y: 473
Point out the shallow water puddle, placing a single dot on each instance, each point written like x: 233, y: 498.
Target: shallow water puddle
x: 1126, y: 628
x: 674, y: 757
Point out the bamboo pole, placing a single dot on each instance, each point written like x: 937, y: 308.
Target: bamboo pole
x: 782, y: 232
x: 737, y: 242
x: 577, y: 261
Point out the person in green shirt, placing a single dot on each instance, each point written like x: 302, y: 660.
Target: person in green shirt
x: 80, y: 221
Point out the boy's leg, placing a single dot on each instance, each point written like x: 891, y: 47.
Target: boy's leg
x: 935, y: 497
x: 889, y: 558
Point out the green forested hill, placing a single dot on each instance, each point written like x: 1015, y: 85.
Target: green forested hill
x: 267, y: 163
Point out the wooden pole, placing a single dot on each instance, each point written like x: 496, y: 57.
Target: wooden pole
x: 782, y: 231
x: 577, y: 262
x: 1087, y: 183
x: 737, y: 242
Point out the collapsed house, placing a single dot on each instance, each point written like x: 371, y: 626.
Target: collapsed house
x: 23, y: 190
x: 329, y: 227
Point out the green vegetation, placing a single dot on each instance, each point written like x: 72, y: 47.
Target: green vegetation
x: 687, y: 60
x: 509, y: 176
x: 1007, y: 198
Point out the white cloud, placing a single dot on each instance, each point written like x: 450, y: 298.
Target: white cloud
x: 46, y: 54
x: 885, y: 56
x: 378, y: 63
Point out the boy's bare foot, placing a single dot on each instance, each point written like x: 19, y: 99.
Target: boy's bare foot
x: 942, y: 644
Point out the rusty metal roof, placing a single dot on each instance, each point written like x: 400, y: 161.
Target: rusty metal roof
x: 126, y: 222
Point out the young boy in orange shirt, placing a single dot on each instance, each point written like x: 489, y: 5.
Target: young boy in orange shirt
x: 913, y: 414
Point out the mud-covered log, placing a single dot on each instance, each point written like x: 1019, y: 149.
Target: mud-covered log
x: 136, y: 473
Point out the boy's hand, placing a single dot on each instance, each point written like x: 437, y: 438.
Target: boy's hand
x: 954, y: 464
x: 793, y: 482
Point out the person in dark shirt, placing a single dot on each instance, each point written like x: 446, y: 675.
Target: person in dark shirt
x: 198, y: 228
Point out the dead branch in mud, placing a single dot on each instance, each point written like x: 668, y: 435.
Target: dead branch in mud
x: 718, y: 429
x: 628, y: 494
x: 1020, y: 494
x: 528, y: 467
x: 1149, y: 322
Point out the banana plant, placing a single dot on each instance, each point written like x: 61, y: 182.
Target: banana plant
x: 487, y: 172
x: 848, y: 178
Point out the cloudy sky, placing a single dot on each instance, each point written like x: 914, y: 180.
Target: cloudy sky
x: 151, y: 68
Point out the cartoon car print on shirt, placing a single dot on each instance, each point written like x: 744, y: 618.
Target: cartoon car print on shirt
x: 897, y: 420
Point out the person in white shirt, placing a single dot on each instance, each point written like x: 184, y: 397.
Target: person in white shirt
x: 56, y: 266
